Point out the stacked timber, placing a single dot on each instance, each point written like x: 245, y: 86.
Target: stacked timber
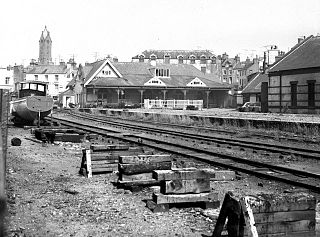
x: 183, y: 187
x: 135, y: 171
x: 265, y: 215
x: 291, y: 214
x: 104, y: 158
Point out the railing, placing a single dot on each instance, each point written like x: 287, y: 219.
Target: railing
x: 173, y: 104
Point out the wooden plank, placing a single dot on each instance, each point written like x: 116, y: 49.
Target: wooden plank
x: 285, y: 227
x: 133, y: 177
x: 282, y: 202
x: 160, y: 198
x: 181, y: 174
x: 285, y: 216
x: 105, y: 169
x: 88, y: 161
x: 103, y: 162
x: 138, y: 183
x: 292, y: 234
x: 103, y: 156
x: 185, y: 186
x: 118, y: 147
x: 144, y: 159
x: 114, y: 166
x: 248, y: 217
x: 143, y: 168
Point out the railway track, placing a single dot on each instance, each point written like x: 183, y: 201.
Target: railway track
x: 267, y: 170
x: 243, y: 143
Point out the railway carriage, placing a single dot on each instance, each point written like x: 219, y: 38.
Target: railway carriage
x: 32, y: 103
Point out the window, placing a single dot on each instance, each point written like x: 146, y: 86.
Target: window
x: 167, y: 59
x: 311, y: 96
x: 162, y: 72
x: 7, y: 80
x: 293, y: 93
x: 213, y: 60
x: 35, y: 77
x: 203, y: 59
x: 180, y: 59
x: 230, y: 72
x: 224, y: 72
x: 56, y: 86
x: 56, y: 77
x: 192, y: 59
x: 153, y: 57
x: 46, y: 77
x: 203, y: 69
x: 141, y: 58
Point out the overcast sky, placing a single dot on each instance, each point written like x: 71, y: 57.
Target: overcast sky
x: 95, y: 28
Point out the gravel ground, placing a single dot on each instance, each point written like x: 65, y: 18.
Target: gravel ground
x: 47, y: 197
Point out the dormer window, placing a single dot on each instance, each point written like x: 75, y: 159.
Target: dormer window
x: 141, y: 58
x: 167, y: 59
x: 160, y: 72
x: 153, y: 57
x: 192, y: 59
x: 213, y: 60
x: 203, y: 59
x: 180, y: 59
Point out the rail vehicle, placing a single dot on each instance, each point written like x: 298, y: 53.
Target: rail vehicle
x: 32, y: 104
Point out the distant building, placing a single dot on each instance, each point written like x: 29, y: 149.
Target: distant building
x: 203, y: 60
x: 57, y: 76
x: 294, y: 80
x: 109, y: 83
x: 7, y: 78
x: 246, y: 69
x: 45, y: 46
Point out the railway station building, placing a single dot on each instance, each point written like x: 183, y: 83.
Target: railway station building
x: 106, y: 84
x: 294, y: 80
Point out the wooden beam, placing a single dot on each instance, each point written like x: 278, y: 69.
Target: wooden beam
x: 160, y: 198
x: 143, y: 168
x: 181, y: 174
x: 185, y: 186
x: 144, y: 159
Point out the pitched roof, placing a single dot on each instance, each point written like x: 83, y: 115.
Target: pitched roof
x: 302, y: 56
x: 48, y: 69
x: 254, y: 86
x: 176, y: 53
x: 137, y: 74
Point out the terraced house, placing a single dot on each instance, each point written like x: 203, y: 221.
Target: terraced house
x: 294, y: 80
x: 203, y: 60
x: 106, y: 83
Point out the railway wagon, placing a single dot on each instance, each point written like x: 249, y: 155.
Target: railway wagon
x: 32, y: 104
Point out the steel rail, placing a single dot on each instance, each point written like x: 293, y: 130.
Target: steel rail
x: 275, y: 148
x: 223, y: 160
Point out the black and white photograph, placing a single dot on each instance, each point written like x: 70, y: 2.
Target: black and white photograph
x: 141, y: 118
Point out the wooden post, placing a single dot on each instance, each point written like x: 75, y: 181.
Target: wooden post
x: 3, y: 154
x: 88, y: 158
x: 232, y: 210
x: 39, y: 119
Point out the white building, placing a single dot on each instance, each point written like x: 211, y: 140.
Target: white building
x: 7, y: 78
x: 57, y: 76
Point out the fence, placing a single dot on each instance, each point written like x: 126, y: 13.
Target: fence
x: 172, y: 104
x: 4, y: 102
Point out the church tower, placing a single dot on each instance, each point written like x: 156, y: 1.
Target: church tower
x: 45, y: 44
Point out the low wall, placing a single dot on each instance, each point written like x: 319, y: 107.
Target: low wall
x: 221, y: 121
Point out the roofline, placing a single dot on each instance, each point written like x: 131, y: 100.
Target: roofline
x: 294, y: 48
x: 251, y: 81
x: 164, y: 87
x: 107, y: 61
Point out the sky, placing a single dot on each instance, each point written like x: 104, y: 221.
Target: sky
x: 91, y: 29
